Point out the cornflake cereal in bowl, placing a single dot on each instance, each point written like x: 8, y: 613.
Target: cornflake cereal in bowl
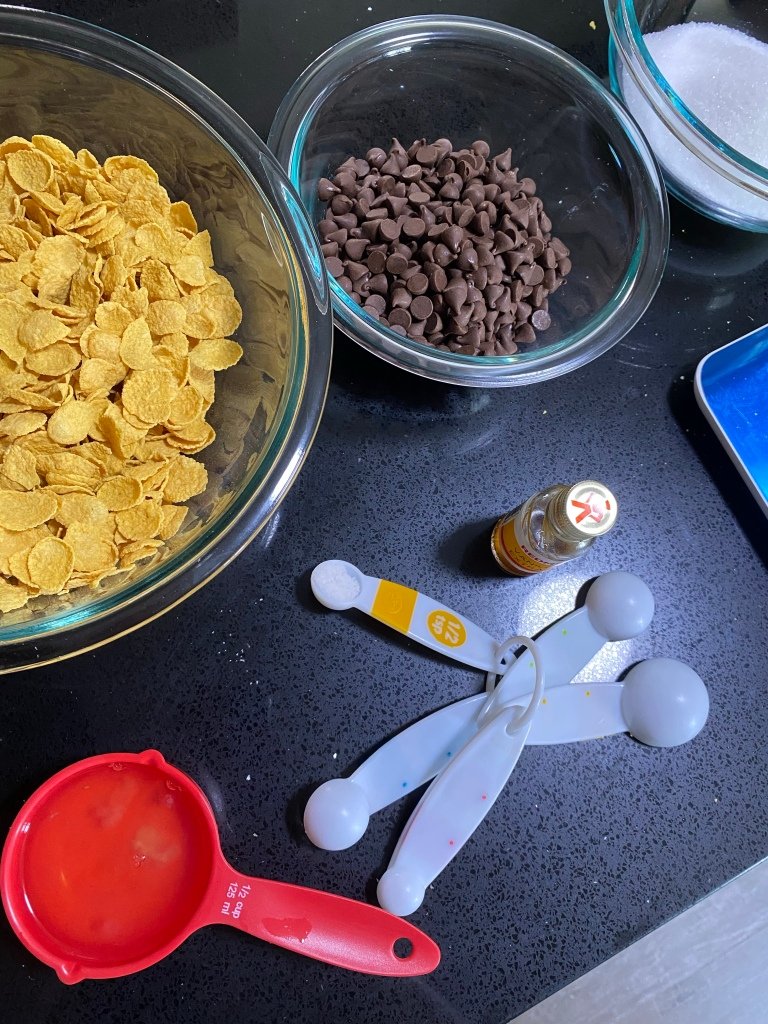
x: 165, y: 336
x: 112, y: 324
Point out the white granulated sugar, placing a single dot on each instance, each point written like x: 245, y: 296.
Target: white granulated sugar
x: 337, y: 583
x: 721, y: 75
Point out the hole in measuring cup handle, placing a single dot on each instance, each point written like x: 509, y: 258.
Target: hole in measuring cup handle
x: 402, y: 948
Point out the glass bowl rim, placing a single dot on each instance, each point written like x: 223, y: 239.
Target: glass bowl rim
x: 68, y: 632
x: 646, y: 264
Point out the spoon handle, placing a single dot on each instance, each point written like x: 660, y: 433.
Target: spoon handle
x: 418, y: 753
x: 428, y: 622
x: 450, y: 811
x: 421, y: 751
x: 320, y: 925
x: 578, y: 711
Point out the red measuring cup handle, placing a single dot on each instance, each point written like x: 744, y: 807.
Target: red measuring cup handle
x: 336, y: 930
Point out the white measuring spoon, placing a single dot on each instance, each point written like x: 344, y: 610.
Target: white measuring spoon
x: 661, y: 703
x: 458, y: 800
x: 618, y: 606
x: 340, y: 585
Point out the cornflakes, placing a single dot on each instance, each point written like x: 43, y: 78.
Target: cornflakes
x: 190, y: 270
x: 186, y: 478
x: 72, y: 422
x: 91, y: 551
x: 173, y: 517
x: 20, y: 466
x: 12, y: 596
x: 120, y: 493
x: 49, y: 564
x: 166, y: 317
x: 136, y: 346
x: 148, y: 394
x: 23, y: 510
x: 81, y: 508
x: 216, y: 353
x: 41, y: 329
x: 16, y: 424
x: 112, y: 325
x: 30, y: 169
x: 141, y: 522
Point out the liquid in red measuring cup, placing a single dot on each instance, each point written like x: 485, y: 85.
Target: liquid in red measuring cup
x: 113, y: 862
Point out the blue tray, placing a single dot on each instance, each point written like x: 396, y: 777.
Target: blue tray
x: 732, y: 389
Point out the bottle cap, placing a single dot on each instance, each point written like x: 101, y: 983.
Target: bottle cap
x: 590, y: 508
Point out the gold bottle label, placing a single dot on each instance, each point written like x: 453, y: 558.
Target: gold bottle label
x: 511, y: 552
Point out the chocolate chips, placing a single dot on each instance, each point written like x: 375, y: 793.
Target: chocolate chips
x: 445, y: 246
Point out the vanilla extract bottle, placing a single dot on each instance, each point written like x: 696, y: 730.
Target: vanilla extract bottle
x: 554, y: 525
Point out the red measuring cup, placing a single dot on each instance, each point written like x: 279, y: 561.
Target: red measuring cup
x: 115, y: 860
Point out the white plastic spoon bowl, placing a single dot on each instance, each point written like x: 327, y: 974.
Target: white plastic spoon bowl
x: 664, y: 702
x: 337, y: 814
x: 336, y: 584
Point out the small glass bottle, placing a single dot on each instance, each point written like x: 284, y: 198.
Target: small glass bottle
x: 553, y: 526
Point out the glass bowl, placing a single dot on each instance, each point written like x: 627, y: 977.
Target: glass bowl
x: 699, y: 167
x: 95, y: 90
x: 465, y: 79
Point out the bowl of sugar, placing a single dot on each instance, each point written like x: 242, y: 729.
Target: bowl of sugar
x: 695, y: 77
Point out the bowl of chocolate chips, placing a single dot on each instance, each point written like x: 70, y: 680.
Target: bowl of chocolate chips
x: 488, y: 214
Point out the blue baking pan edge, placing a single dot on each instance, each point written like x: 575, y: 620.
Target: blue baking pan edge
x: 731, y: 387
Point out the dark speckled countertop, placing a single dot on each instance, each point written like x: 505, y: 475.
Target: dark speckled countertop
x: 260, y: 694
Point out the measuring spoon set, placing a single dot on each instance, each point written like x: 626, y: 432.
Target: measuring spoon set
x: 468, y: 749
